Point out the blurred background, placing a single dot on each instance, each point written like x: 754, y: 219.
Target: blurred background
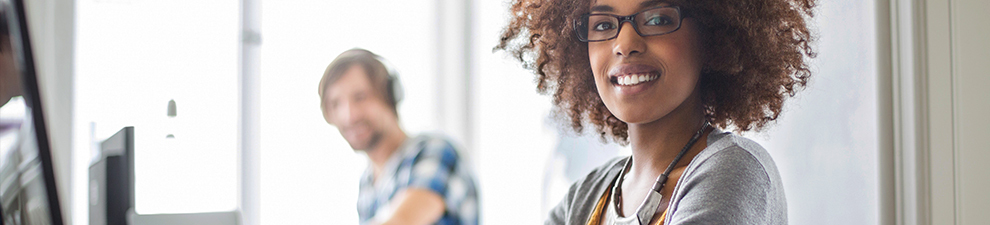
x: 249, y: 136
x: 188, y: 51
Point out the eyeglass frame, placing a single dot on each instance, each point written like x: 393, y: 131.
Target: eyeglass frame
x: 631, y: 19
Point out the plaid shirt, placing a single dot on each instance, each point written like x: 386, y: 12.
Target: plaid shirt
x: 428, y: 162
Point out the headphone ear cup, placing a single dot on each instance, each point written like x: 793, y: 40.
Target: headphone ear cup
x: 397, y: 91
x: 395, y: 87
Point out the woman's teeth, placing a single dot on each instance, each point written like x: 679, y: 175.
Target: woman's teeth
x: 635, y: 79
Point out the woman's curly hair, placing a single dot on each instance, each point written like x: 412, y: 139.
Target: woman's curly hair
x: 761, y: 58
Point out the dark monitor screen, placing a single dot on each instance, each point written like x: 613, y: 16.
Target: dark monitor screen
x: 27, y: 182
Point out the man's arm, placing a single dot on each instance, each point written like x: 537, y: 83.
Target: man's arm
x: 415, y: 206
x: 423, y: 200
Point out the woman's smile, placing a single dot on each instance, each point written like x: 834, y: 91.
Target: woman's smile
x: 631, y: 79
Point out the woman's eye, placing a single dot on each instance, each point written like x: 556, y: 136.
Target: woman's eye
x: 604, y: 26
x: 658, y: 21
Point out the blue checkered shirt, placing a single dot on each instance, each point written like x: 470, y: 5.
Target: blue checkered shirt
x: 428, y: 162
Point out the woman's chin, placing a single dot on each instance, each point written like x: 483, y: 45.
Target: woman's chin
x: 637, y: 119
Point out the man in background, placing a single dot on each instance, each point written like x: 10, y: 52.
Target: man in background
x: 410, y: 180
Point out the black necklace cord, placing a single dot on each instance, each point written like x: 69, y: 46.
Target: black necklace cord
x: 662, y: 179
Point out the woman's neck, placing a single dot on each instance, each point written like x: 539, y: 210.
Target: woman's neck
x: 655, y: 144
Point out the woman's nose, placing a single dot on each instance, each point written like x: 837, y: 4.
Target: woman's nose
x: 627, y: 42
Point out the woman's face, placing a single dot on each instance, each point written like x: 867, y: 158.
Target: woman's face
x: 669, y: 63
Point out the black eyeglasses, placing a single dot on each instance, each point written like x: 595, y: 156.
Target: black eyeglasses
x: 651, y: 22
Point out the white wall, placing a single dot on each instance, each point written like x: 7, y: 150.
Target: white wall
x: 513, y: 139
x: 971, y: 106
x: 955, y: 103
x: 825, y: 142
x: 939, y: 67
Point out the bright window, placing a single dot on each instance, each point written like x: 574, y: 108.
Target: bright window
x: 132, y: 58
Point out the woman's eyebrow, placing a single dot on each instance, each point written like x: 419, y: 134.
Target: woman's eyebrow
x: 602, y: 8
x: 651, y: 3
x: 645, y: 4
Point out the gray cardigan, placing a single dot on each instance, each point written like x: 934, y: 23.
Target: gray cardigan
x: 732, y: 181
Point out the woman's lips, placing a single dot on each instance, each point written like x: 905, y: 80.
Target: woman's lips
x: 634, y: 79
x: 630, y: 74
x: 630, y: 79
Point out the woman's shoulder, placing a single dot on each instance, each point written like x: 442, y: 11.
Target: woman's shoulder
x: 601, y: 174
x: 732, y: 173
x: 726, y: 149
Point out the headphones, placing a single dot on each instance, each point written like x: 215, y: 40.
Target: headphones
x: 394, y: 86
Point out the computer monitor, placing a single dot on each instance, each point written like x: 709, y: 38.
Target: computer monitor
x: 28, y: 194
x: 111, y: 180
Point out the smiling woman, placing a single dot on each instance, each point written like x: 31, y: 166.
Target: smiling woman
x: 754, y: 56
x: 661, y: 80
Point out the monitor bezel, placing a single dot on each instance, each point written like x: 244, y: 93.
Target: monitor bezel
x: 20, y: 41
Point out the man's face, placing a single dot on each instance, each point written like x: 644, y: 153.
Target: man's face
x: 361, y: 115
